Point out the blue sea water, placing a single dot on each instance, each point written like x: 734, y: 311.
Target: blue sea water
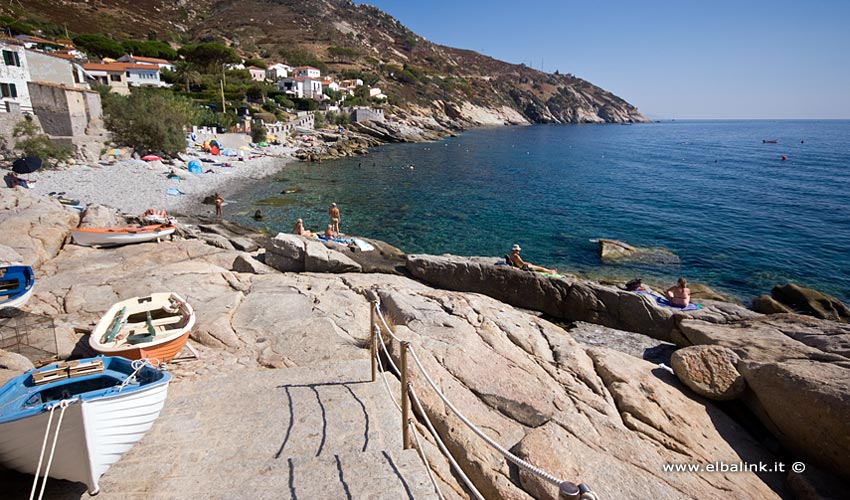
x: 740, y: 218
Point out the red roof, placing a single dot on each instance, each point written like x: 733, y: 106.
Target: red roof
x: 153, y: 60
x: 118, y: 66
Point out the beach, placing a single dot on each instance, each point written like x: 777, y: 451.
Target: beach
x: 133, y: 186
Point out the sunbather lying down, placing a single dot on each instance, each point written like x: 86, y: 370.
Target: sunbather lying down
x: 516, y: 260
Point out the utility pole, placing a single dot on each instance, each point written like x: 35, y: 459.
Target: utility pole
x: 223, y: 103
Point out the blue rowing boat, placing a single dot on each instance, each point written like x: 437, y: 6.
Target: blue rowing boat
x: 16, y: 283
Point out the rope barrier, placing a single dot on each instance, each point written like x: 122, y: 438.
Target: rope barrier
x: 443, y: 448
x: 507, y: 454
x: 424, y: 458
x: 387, y: 384
x: 387, y: 353
x: 584, y: 490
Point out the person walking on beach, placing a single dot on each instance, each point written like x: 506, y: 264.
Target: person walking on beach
x: 679, y: 294
x: 517, y: 261
x: 219, y: 202
x: 333, y: 212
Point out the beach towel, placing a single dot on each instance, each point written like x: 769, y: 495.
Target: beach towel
x: 661, y: 301
x: 174, y: 191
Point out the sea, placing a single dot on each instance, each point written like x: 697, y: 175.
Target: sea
x: 742, y: 214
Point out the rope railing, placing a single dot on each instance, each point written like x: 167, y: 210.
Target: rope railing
x: 566, y: 489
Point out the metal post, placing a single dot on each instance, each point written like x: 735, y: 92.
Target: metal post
x: 568, y: 491
x: 405, y: 397
x: 373, y: 336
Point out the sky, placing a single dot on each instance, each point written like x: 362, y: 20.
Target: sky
x: 684, y: 59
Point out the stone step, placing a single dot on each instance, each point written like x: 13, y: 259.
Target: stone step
x: 368, y: 475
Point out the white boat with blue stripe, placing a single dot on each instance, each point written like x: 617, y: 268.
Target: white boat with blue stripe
x: 73, y: 420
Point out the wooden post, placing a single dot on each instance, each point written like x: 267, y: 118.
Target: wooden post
x: 373, y: 338
x: 405, y: 397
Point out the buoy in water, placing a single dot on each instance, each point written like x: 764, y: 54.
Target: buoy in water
x: 784, y: 157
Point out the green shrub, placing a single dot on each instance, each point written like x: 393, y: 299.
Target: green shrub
x: 258, y: 131
x: 149, y: 121
x: 31, y: 142
x: 149, y: 48
x: 265, y: 117
x: 99, y: 45
x: 319, y: 120
x: 208, y: 55
x: 284, y: 101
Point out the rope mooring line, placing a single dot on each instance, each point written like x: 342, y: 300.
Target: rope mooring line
x: 63, y: 405
x: 443, y: 447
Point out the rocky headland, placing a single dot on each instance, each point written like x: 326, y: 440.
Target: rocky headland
x: 284, y: 321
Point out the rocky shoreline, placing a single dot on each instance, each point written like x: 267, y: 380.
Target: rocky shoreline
x: 598, y: 413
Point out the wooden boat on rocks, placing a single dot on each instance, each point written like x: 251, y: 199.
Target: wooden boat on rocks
x: 112, y: 236
x: 73, y: 420
x: 16, y: 283
x: 154, y: 327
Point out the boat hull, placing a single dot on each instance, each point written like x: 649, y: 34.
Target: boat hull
x: 20, y: 281
x: 120, y: 235
x: 98, y: 426
x: 171, y: 329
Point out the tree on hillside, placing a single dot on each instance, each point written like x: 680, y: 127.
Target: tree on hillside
x: 149, y: 120
x: 99, y: 45
x: 149, y: 48
x: 185, y: 74
x: 208, y: 55
x: 255, y: 62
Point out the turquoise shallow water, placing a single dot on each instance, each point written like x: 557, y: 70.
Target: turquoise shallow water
x: 740, y: 218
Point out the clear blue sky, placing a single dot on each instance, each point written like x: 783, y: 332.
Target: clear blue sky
x: 672, y: 59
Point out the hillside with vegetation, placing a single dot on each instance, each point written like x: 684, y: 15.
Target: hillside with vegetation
x: 453, y: 86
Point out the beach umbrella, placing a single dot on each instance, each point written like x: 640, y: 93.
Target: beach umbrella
x: 26, y: 165
x: 151, y: 158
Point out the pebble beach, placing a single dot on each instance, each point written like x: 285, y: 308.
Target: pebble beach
x: 133, y: 186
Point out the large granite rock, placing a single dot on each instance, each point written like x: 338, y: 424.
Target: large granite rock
x: 34, y: 226
x: 709, y: 371
x: 765, y: 304
x: 101, y: 216
x: 566, y: 298
x: 288, y: 252
x: 11, y: 365
x: 811, y: 302
x: 797, y: 369
x: 597, y: 416
x: 614, y: 252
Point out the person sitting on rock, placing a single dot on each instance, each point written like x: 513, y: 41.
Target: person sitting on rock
x: 517, y: 261
x: 299, y: 229
x: 329, y: 232
x: 679, y: 294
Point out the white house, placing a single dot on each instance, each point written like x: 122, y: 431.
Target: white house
x: 257, y: 74
x: 301, y: 87
x: 308, y: 71
x: 327, y: 83
x: 14, y: 75
x: 112, y: 75
x: 375, y: 93
x: 278, y: 70
x: 162, y: 63
x: 143, y: 75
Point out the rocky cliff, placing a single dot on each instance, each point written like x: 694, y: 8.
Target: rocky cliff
x: 456, y: 87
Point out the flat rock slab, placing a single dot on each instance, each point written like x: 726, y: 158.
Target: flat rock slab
x: 301, y: 433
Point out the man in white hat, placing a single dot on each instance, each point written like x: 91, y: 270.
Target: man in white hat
x: 333, y: 212
x: 517, y: 261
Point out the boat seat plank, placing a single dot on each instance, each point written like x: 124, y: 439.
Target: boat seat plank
x: 68, y: 369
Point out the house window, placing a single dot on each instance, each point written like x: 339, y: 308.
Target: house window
x: 115, y: 78
x: 11, y: 58
x: 8, y: 90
